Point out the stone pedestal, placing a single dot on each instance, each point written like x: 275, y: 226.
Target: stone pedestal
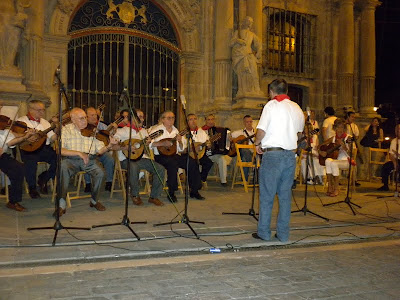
x: 249, y: 103
x: 11, y: 80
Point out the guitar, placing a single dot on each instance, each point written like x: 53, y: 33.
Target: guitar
x: 138, y: 144
x: 312, y: 132
x: 104, y: 135
x: 39, y: 142
x: 201, y: 147
x: 170, y: 150
x: 332, y: 151
x: 241, y: 139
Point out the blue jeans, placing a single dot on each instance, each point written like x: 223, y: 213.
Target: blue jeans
x: 246, y: 155
x: 276, y: 177
x: 107, y: 161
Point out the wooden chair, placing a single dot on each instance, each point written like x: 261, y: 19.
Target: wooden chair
x: 242, y: 164
x: 79, y: 181
x: 4, y: 184
x: 378, y: 157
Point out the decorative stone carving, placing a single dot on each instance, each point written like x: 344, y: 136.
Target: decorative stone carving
x: 66, y: 6
x: 246, y: 54
x: 12, y: 25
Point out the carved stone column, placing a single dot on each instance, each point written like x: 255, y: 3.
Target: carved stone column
x: 368, y: 56
x: 33, y: 50
x: 345, y: 53
x: 223, y: 64
x: 254, y: 10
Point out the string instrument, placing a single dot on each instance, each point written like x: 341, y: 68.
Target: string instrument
x: 104, y: 135
x: 218, y: 147
x: 303, y: 138
x: 332, y: 151
x: 138, y: 145
x: 17, y: 127
x: 201, y: 147
x: 241, y: 139
x: 170, y: 150
x: 41, y: 137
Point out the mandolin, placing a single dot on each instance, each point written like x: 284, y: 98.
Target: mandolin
x: 332, y: 151
x: 241, y: 139
x: 138, y: 145
x: 170, y: 150
x: 201, y: 147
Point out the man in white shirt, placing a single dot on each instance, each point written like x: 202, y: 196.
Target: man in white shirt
x: 394, y: 155
x: 352, y: 129
x: 142, y: 163
x: 173, y: 162
x: 200, y: 137
x: 11, y: 167
x: 248, y: 131
x: 281, y: 122
x: 106, y: 159
x: 327, y: 130
x: 34, y: 119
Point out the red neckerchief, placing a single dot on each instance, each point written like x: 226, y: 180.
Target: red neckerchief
x: 342, y: 136
x: 31, y: 118
x: 281, y: 97
x: 195, y: 130
x: 137, y: 129
x: 205, y: 127
x: 122, y: 125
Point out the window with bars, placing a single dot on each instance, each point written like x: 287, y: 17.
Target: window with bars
x: 291, y: 39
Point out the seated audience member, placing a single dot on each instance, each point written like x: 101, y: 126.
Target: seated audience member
x: 394, y: 161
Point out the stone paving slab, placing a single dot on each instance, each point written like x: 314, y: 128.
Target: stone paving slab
x: 378, y: 218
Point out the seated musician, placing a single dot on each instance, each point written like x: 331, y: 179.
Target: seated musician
x: 394, y: 152
x: 200, y: 137
x: 315, y: 170
x: 11, y: 167
x: 106, y: 159
x: 246, y: 133
x: 141, y: 163
x: 333, y: 166
x: 221, y: 159
x: 34, y: 119
x: 173, y: 162
x: 79, y: 154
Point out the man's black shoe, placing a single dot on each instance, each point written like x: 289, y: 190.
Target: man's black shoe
x: 108, y: 186
x: 172, y: 198
x: 197, y: 196
x: 294, y: 185
x: 88, y: 188
x: 383, y: 188
x: 357, y: 183
x: 256, y: 236
x: 34, y: 193
x: 42, y: 186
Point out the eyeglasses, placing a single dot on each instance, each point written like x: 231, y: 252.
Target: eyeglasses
x: 169, y: 118
x: 82, y: 118
x: 39, y: 109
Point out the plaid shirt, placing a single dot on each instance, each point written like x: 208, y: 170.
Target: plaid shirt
x: 72, y: 139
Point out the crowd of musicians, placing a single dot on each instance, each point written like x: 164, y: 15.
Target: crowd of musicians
x: 82, y: 150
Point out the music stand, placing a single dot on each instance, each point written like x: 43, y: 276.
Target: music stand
x: 251, y: 211
x: 305, y: 209
x: 125, y: 219
x: 347, y: 200
x: 57, y: 225
x: 185, y: 218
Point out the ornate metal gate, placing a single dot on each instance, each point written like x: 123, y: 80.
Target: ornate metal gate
x: 123, y: 43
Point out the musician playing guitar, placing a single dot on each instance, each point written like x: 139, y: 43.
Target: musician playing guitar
x: 34, y: 119
x: 246, y: 134
x: 142, y: 163
x: 338, y: 160
x: 174, y: 161
x: 221, y: 159
x: 200, y: 136
x: 106, y: 159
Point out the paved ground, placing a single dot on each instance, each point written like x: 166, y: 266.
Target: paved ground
x: 349, y: 271
x: 104, y: 263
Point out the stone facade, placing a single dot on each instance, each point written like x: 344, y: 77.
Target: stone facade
x: 344, y: 75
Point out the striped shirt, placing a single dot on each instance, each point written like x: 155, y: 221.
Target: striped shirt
x: 72, y: 139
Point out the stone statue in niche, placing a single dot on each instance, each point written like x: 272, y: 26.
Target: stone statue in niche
x: 246, y: 54
x: 12, y: 25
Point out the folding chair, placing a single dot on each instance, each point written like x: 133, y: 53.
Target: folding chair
x: 242, y: 164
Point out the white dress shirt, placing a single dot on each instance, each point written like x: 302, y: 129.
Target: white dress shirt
x: 166, y: 135
x: 40, y: 126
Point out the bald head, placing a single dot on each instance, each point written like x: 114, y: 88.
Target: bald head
x: 78, y: 117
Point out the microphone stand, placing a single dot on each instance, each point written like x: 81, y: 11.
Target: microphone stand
x: 347, y: 200
x: 57, y: 225
x: 185, y: 217
x: 251, y: 211
x: 125, y: 219
x: 305, y: 209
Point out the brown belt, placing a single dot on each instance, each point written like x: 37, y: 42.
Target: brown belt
x: 273, y: 149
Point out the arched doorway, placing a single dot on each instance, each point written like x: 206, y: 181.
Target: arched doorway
x: 123, y: 43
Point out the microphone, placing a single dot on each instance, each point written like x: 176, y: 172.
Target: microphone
x: 183, y: 100
x: 308, y: 113
x: 57, y: 75
x: 121, y: 98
